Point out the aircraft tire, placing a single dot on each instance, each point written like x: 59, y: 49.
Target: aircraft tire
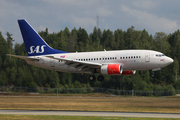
x: 100, y: 78
x: 92, y: 78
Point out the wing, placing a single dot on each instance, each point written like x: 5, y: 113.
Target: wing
x: 24, y: 57
x: 83, y: 65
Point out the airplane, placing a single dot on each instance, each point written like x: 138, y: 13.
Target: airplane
x: 117, y: 62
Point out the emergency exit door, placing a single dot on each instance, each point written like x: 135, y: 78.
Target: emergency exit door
x: 147, y: 57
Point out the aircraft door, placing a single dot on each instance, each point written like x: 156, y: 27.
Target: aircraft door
x: 147, y: 57
x: 52, y: 62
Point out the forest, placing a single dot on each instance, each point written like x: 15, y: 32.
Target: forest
x: 16, y: 72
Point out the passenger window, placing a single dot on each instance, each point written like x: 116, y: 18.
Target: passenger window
x: 131, y: 57
x: 108, y: 58
x: 120, y: 57
x: 81, y: 59
x: 126, y: 57
x: 91, y: 58
x: 123, y: 57
x: 94, y: 58
x: 99, y: 58
x: 139, y: 56
x: 156, y: 55
x: 136, y: 56
x: 105, y: 58
x: 115, y: 57
x: 86, y: 59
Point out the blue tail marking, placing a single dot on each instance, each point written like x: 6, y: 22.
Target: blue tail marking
x: 34, y: 44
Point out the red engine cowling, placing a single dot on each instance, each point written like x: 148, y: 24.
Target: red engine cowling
x: 112, y: 69
x: 132, y: 72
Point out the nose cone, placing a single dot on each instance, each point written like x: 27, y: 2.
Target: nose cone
x: 169, y: 60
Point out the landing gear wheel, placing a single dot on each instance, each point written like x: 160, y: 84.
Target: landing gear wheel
x: 92, y: 78
x: 100, y: 78
x: 152, y: 75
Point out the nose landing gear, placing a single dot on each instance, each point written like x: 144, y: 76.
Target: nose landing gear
x: 152, y: 75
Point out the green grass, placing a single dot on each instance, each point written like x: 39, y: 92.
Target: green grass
x: 45, y: 117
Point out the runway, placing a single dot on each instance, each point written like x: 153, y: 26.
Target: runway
x: 82, y: 113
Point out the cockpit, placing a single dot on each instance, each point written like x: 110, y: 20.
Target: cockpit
x: 160, y: 55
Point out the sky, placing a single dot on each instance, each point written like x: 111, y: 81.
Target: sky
x: 152, y: 15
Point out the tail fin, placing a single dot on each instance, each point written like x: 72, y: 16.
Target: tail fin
x: 34, y: 44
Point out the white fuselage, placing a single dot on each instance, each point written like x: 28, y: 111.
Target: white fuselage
x: 130, y: 59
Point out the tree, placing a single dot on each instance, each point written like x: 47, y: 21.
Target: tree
x: 72, y: 40
x: 3, y: 47
x: 82, y: 40
x: 9, y: 42
x: 161, y: 43
x: 176, y: 69
x: 108, y: 40
x: 119, y: 39
x: 144, y: 40
x: 129, y: 37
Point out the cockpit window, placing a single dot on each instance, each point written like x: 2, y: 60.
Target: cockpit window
x: 159, y: 55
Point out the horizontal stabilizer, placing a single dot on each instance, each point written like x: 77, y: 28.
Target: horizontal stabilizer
x: 24, y: 57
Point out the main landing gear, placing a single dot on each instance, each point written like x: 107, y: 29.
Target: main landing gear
x: 93, y: 78
x: 100, y: 78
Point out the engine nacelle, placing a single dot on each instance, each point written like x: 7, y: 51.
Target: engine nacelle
x: 112, y: 69
x: 132, y: 72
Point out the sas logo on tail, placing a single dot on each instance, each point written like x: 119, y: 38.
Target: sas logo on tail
x: 37, y: 49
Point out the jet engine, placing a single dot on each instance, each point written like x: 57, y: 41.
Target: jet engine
x: 115, y: 69
x: 112, y: 69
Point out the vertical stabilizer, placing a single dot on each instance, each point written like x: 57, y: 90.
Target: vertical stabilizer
x: 34, y: 44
